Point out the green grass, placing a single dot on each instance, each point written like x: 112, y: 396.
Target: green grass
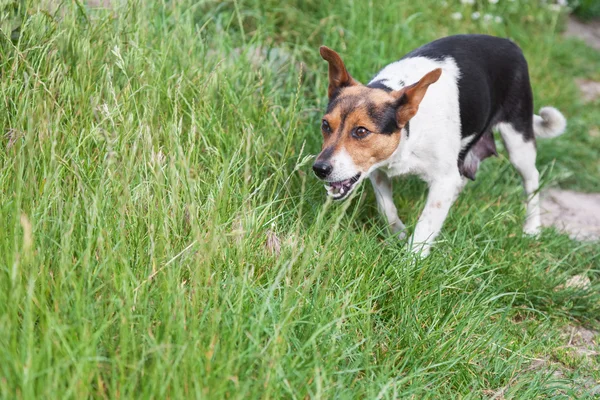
x: 162, y: 235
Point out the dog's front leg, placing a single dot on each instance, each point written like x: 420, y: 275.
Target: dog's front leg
x: 442, y: 193
x: 385, y: 202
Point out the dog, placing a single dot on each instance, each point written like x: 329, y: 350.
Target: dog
x: 433, y: 114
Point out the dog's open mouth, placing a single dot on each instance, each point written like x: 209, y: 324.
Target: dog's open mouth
x: 339, y: 190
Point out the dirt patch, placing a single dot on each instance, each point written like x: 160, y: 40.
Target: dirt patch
x: 588, y: 32
x: 583, y: 340
x: 577, y: 214
x: 579, y: 344
x: 580, y: 281
x: 590, y: 90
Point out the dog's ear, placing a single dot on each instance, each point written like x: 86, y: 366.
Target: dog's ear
x: 338, y: 75
x: 409, y: 97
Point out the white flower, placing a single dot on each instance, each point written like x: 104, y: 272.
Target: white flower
x: 498, y: 19
x: 467, y: 1
x: 488, y: 17
x: 476, y: 15
x: 562, y: 3
x: 493, y: 1
x: 456, y: 16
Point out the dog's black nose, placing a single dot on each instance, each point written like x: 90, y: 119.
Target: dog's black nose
x: 322, y: 169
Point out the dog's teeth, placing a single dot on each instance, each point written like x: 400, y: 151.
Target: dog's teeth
x: 342, y: 190
x: 331, y: 190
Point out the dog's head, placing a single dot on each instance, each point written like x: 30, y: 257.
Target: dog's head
x: 362, y: 126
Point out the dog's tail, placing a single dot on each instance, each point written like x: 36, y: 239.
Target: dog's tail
x: 550, y: 123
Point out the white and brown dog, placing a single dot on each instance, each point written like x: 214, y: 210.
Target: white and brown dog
x: 432, y: 114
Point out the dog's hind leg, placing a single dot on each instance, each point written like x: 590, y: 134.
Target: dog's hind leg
x: 385, y: 202
x: 522, y: 154
x: 442, y: 193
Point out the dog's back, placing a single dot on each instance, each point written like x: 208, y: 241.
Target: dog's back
x: 493, y: 83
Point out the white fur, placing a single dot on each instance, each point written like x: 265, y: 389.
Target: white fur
x: 522, y: 155
x: 442, y: 193
x: 385, y: 202
x: 550, y: 123
x: 343, y: 167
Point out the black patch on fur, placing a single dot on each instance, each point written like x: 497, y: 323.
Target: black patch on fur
x: 384, y: 117
x: 333, y: 103
x: 335, y: 94
x: 338, y: 90
x: 380, y: 85
x: 326, y: 154
x: 493, y: 85
x: 372, y: 111
x: 402, y: 100
x: 387, y: 122
x: 407, y: 127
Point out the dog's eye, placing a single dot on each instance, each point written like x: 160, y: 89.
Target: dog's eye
x: 360, y: 132
x: 325, y: 127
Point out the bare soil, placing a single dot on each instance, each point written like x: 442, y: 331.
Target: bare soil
x: 577, y: 214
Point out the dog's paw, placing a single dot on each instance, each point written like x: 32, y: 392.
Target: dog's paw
x: 399, y: 230
x: 401, y: 235
x: 420, y: 250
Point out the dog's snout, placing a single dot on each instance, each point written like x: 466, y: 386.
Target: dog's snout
x: 322, y: 169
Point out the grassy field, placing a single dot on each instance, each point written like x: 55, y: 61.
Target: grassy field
x: 162, y: 234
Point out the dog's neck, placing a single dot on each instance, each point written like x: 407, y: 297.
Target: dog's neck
x: 393, y: 166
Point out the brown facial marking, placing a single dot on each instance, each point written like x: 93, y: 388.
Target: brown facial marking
x: 372, y: 149
x: 360, y: 106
